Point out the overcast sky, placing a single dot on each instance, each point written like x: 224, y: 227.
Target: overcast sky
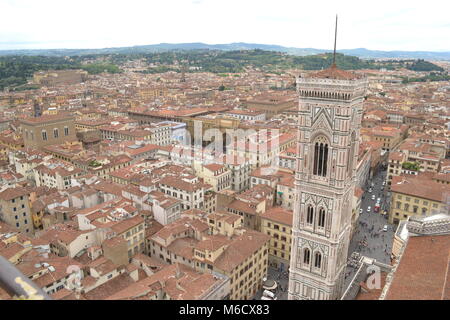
x: 377, y: 25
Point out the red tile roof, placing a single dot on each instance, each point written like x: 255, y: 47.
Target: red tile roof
x: 422, y: 273
x: 334, y: 73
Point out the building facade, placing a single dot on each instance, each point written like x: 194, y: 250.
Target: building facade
x: 15, y: 209
x: 48, y: 130
x: 330, y: 112
x: 417, y: 196
x: 277, y: 223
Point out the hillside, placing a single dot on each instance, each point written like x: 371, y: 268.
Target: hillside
x: 16, y: 70
x: 161, y: 47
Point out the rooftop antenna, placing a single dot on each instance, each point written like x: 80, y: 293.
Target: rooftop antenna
x: 335, y: 37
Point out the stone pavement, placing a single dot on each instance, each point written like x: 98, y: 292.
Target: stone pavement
x: 379, y: 243
x: 282, y: 280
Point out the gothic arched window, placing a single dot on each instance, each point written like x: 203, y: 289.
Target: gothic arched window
x: 310, y: 215
x: 320, y: 163
x: 321, y: 220
x: 306, y: 256
x: 317, y: 260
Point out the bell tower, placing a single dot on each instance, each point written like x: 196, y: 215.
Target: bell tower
x: 330, y: 111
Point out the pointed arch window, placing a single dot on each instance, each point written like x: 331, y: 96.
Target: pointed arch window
x: 320, y: 163
x: 310, y: 215
x: 306, y: 256
x: 321, y: 220
x: 317, y: 260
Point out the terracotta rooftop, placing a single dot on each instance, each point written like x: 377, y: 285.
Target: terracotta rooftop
x: 12, y: 193
x: 334, y: 73
x: 47, y: 118
x: 423, y: 270
x: 419, y: 186
x: 278, y: 214
x: 178, y: 281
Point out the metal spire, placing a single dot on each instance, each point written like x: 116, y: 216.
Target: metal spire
x: 335, y: 37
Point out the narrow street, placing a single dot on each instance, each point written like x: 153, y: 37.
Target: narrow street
x: 369, y: 239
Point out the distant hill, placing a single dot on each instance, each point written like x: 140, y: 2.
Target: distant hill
x: 360, y: 52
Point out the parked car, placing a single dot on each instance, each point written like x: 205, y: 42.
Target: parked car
x: 360, y: 210
x: 385, y: 228
x: 373, y: 197
x: 368, y: 209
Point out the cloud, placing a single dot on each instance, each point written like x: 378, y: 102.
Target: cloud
x: 383, y: 25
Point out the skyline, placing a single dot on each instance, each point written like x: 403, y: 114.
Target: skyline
x: 100, y: 24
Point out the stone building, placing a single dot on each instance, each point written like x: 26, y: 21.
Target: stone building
x: 59, y: 77
x: 15, y: 209
x: 270, y: 104
x: 330, y: 112
x: 47, y: 130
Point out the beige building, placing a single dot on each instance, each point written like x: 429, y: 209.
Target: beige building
x: 277, y: 223
x: 216, y: 175
x: 418, y: 196
x: 15, y: 209
x: 48, y: 130
x: 59, y: 77
x: 132, y: 230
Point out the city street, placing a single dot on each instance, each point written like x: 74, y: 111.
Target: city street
x: 369, y: 239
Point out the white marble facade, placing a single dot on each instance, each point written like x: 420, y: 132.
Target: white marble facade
x: 330, y: 112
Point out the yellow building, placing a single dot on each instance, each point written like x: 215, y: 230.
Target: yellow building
x: 15, y: 209
x: 152, y: 92
x: 132, y: 230
x: 277, y: 223
x: 417, y: 196
x: 9, y: 143
x: 216, y: 175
